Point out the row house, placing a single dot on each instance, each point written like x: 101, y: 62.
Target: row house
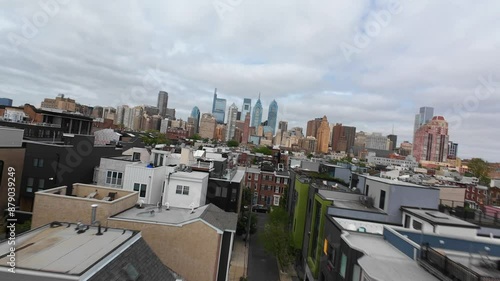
x: 268, y: 183
x: 476, y: 196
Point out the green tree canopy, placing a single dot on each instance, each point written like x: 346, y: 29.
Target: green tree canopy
x: 196, y: 137
x: 276, y: 238
x: 263, y: 149
x: 154, y: 137
x: 480, y: 169
x: 233, y: 143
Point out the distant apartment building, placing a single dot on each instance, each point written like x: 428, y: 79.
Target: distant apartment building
x: 312, y: 127
x: 377, y: 141
x: 308, y: 143
x: 195, y: 115
x: 207, y: 126
x: 343, y: 138
x: 6, y: 101
x: 393, y: 141
x: 231, y: 122
x: 60, y: 102
x: 322, y: 136
x: 405, y: 148
x: 452, y: 150
x: 431, y: 141
x: 162, y: 103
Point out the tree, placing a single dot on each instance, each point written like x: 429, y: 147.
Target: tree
x: 154, y: 137
x: 263, y: 149
x: 233, y: 143
x: 310, y: 156
x: 277, y: 239
x: 480, y: 169
x: 242, y: 225
x: 196, y: 137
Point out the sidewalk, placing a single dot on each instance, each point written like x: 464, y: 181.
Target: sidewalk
x: 239, y: 260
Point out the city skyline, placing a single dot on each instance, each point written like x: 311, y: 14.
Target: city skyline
x: 304, y: 64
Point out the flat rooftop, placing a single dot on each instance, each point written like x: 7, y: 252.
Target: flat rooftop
x: 60, y: 249
x: 383, y: 261
x: 179, y: 216
x: 355, y: 225
x: 395, y: 182
x: 355, y: 205
x: 438, y: 218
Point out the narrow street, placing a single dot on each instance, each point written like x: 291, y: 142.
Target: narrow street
x: 261, y: 266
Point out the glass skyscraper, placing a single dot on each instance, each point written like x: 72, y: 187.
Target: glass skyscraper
x: 246, y: 108
x: 219, y: 108
x: 257, y: 114
x: 195, y: 114
x: 272, y: 116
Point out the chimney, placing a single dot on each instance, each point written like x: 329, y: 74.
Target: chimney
x: 94, y: 211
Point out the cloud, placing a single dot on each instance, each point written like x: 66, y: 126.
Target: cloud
x: 430, y: 53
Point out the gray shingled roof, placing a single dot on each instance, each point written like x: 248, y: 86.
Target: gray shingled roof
x: 219, y: 218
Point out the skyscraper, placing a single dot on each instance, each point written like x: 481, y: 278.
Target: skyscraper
x: 343, y: 137
x: 257, y: 114
x: 322, y: 136
x: 162, y: 103
x: 425, y: 115
x: 272, y: 116
x: 431, y: 141
x: 452, y: 150
x: 312, y: 127
x: 246, y: 108
x: 195, y: 114
x: 394, y: 139
x: 231, y: 121
x: 207, y: 126
x: 219, y: 108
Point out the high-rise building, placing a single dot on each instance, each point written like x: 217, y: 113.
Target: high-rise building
x: 312, y: 127
x: 257, y: 114
x: 425, y: 115
x: 6, y: 101
x: 128, y: 117
x: 452, y: 150
x: 246, y: 129
x: 246, y: 108
x: 219, y: 108
x: 60, y: 102
x: 170, y: 113
x: 120, y: 114
x: 394, y: 139
x: 405, y: 148
x: 431, y: 141
x: 283, y: 126
x: 195, y: 114
x: 231, y: 121
x: 343, y: 138
x: 377, y: 141
x: 207, y: 126
x: 322, y: 135
x: 272, y: 116
x: 162, y: 103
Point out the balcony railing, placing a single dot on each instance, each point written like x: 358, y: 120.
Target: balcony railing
x: 452, y: 269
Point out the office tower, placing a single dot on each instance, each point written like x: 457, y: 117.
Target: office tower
x: 405, y: 148
x: 377, y: 141
x: 425, y: 115
x: 219, y: 108
x: 312, y: 127
x: 394, y: 139
x: 6, y: 101
x: 231, y: 121
x: 207, y: 126
x: 195, y: 114
x: 120, y: 114
x: 128, y: 117
x: 431, y: 141
x: 257, y: 114
x: 322, y: 135
x: 272, y: 116
x: 162, y: 103
x: 283, y: 126
x: 246, y: 129
x: 343, y: 138
x: 170, y: 113
x: 452, y: 150
x: 246, y: 108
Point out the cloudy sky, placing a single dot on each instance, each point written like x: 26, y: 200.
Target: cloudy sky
x: 369, y: 64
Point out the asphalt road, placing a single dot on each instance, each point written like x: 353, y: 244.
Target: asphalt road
x: 261, y: 266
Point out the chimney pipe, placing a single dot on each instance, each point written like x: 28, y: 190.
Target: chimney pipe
x: 94, y: 211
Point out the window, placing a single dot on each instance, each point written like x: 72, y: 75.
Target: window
x: 343, y: 265
x: 184, y: 190
x: 356, y: 273
x: 381, y: 203
x: 417, y: 225
x: 41, y: 183
x: 141, y: 188
x: 278, y: 180
x: 29, y: 185
x: 367, y: 189
x: 37, y: 162
x: 249, y: 176
x: 407, y: 221
x: 276, y: 201
x: 114, y: 178
x: 331, y: 254
x: 233, y: 195
x: 256, y: 176
x: 277, y: 189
